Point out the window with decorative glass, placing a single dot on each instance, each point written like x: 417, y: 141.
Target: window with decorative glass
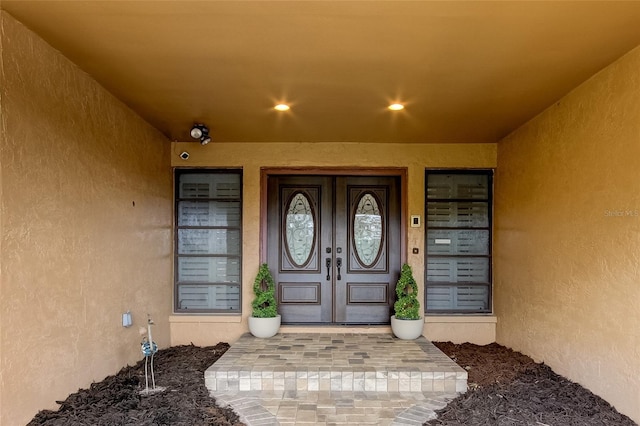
x: 208, y: 248
x: 458, y: 255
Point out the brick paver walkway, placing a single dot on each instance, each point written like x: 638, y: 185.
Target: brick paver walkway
x: 334, y: 379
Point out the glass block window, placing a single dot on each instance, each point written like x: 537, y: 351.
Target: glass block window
x: 458, y: 254
x: 208, y: 248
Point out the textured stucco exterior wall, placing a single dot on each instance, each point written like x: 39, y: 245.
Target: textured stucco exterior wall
x: 567, y: 246
x: 1, y: 157
x: 251, y: 157
x: 85, y: 228
x: 478, y: 329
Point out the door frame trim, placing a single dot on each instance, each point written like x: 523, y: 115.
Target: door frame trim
x: 400, y: 172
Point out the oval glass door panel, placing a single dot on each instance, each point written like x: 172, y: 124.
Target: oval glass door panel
x: 300, y: 226
x: 367, y: 229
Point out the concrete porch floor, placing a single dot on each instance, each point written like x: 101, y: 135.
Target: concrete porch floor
x: 337, y: 378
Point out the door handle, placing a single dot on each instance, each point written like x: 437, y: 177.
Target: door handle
x: 328, y: 264
x: 339, y: 265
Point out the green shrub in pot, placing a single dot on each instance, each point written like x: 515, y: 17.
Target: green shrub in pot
x: 407, y: 306
x: 264, y: 304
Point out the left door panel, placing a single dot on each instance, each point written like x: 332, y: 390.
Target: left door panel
x: 299, y: 234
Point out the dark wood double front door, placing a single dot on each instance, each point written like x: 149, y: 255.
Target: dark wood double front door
x: 333, y: 245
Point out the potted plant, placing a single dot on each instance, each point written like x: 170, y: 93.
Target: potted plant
x: 264, y: 321
x: 407, y: 324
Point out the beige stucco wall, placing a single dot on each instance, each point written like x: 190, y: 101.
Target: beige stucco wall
x: 478, y: 329
x: 567, y: 246
x: 76, y: 252
x: 252, y: 156
x: 1, y: 160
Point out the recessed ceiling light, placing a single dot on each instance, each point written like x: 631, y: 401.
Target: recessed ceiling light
x: 396, y: 107
x: 281, y: 107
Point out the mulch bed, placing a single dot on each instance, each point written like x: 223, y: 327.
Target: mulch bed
x: 117, y: 401
x: 505, y: 388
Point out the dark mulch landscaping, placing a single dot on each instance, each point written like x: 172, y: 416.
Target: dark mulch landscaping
x: 505, y: 388
x: 116, y: 400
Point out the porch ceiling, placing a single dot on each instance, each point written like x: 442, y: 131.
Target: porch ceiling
x: 467, y: 71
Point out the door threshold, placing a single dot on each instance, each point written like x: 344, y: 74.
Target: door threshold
x: 335, y: 328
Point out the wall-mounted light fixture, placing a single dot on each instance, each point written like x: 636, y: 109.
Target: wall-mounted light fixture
x: 201, y: 132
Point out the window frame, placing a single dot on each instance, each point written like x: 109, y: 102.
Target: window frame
x: 178, y: 172
x: 489, y: 200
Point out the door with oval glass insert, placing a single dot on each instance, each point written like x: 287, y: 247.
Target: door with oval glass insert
x: 334, y: 247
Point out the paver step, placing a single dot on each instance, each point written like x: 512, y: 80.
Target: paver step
x: 335, y: 362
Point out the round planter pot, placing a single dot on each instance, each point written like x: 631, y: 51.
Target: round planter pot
x: 407, y: 329
x: 264, y: 327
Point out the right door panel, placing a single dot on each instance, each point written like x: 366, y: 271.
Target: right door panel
x: 368, y: 242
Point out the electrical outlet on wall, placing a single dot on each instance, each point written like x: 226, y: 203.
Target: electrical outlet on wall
x: 126, y: 319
